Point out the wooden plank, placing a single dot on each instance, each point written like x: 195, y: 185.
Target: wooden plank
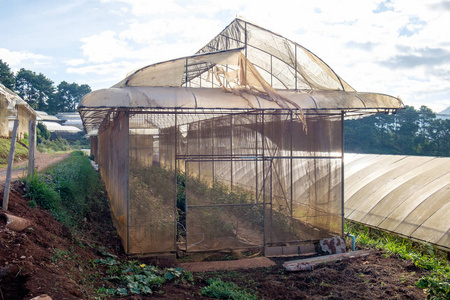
x: 12, y: 150
x: 309, y: 263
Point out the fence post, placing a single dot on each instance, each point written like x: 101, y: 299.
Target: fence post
x: 31, y: 150
x: 10, y: 164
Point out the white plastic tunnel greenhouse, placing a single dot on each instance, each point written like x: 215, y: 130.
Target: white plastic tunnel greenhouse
x: 239, y: 146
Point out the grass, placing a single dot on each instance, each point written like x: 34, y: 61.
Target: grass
x: 68, y: 190
x: 219, y: 289
x: 424, y: 256
x: 21, y: 152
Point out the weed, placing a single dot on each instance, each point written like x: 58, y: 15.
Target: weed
x: 67, y: 190
x: 58, y: 255
x: 219, y: 289
x: 424, y: 256
x: 133, y: 277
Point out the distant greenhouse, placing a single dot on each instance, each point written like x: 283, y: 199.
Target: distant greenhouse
x: 239, y: 146
x: 406, y: 195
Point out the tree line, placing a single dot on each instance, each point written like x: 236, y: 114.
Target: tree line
x: 40, y: 92
x: 408, y: 132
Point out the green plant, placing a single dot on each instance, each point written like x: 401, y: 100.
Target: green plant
x: 219, y: 289
x: 41, y: 191
x: 5, y: 145
x: 133, y: 277
x: 42, y: 132
x: 423, y: 255
x: 69, y: 190
x: 437, y: 285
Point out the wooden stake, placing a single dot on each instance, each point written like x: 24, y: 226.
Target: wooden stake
x: 31, y: 150
x: 10, y: 164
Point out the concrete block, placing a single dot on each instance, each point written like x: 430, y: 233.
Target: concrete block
x: 273, y: 251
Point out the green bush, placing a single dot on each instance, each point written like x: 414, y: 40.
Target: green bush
x: 42, y: 192
x: 42, y: 132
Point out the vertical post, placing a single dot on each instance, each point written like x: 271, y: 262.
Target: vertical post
x: 271, y: 70
x: 10, y: 164
x: 245, y: 79
x: 186, y: 72
x: 31, y: 149
x: 186, y: 201
x: 291, y: 127
x: 342, y: 173
x: 176, y: 180
x: 231, y: 151
x: 263, y: 176
x: 256, y: 156
x: 295, y: 67
x: 127, y: 170
x: 212, y: 150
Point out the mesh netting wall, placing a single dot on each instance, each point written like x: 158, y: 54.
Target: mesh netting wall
x: 94, y: 147
x: 209, y: 180
x: 113, y: 166
x: 152, y: 214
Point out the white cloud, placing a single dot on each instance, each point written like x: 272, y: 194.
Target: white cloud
x: 104, y: 47
x: 75, y: 62
x: 145, y: 7
x: 17, y: 59
x: 348, y: 35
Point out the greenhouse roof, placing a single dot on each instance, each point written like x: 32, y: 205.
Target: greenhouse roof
x: 407, y: 195
x: 243, y: 67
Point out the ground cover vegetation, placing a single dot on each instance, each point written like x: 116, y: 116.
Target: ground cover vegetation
x: 21, y: 152
x: 436, y: 283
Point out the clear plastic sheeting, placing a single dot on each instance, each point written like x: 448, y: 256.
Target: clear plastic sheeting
x: 407, y: 195
x: 236, y: 147
x: 283, y: 63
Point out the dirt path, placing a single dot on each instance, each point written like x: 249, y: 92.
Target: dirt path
x: 43, y: 160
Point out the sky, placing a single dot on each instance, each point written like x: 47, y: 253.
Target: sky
x: 400, y: 48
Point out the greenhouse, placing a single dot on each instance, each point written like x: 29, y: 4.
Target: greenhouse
x: 239, y: 146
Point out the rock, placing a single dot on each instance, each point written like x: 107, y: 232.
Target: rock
x: 42, y: 297
x: 15, y: 223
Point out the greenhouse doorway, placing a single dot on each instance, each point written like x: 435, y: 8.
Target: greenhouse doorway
x: 221, y: 213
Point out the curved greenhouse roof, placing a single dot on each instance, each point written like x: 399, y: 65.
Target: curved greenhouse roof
x: 407, y: 195
x: 243, y: 67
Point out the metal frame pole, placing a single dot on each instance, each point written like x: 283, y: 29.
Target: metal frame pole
x: 231, y: 151
x: 263, y: 176
x: 291, y: 125
x: 342, y: 173
x: 256, y: 155
x: 127, y: 117
x: 176, y: 177
x: 295, y: 67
